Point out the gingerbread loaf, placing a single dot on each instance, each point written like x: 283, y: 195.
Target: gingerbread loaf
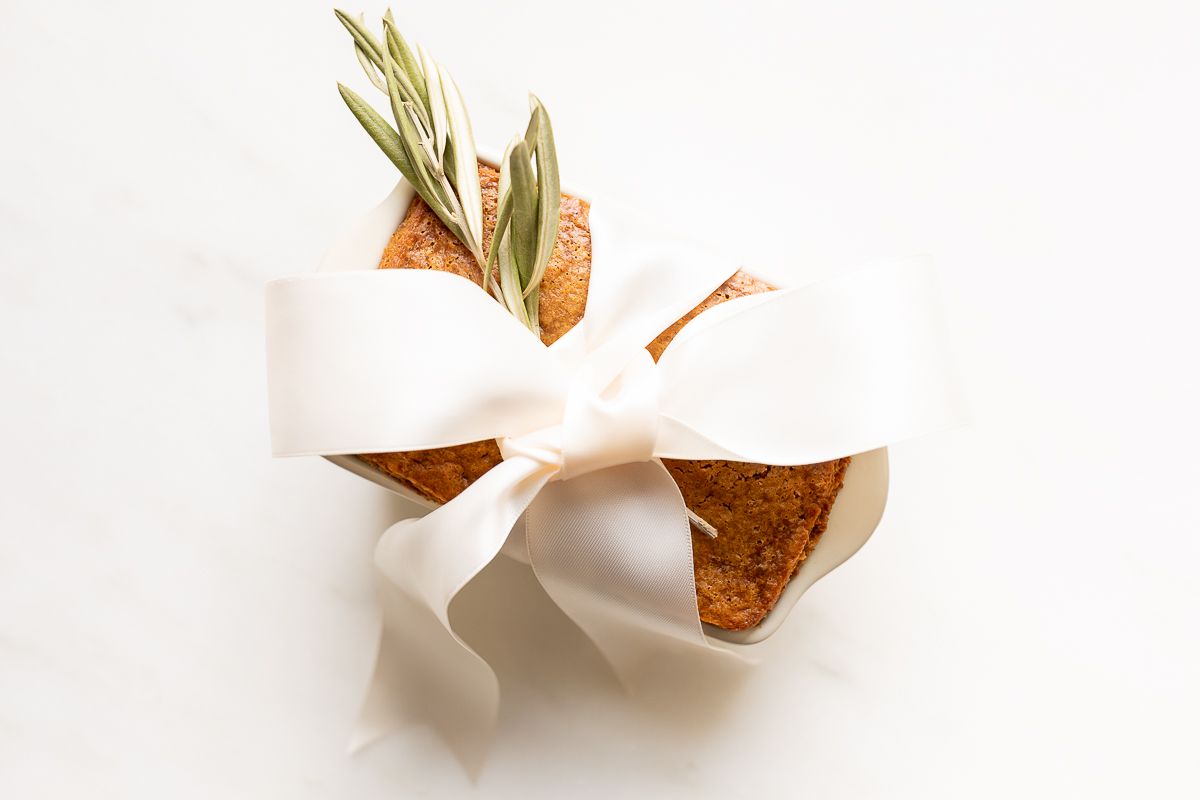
x: 769, y: 517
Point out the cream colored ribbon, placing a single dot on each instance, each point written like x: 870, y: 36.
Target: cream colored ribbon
x: 364, y: 360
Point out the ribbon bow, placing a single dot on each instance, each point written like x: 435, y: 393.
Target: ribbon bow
x: 364, y: 360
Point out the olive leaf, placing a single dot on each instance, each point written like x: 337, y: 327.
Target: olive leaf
x: 466, y: 163
x: 363, y: 38
x: 503, y: 214
x: 404, y: 56
x: 510, y: 279
x: 437, y: 103
x: 523, y: 188
x: 378, y: 129
x: 549, y: 194
x: 369, y: 68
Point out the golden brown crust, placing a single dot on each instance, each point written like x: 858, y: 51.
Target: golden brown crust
x: 769, y: 518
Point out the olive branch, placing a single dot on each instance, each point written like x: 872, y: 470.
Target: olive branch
x: 433, y: 147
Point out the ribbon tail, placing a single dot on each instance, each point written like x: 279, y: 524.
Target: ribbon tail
x: 613, y: 549
x: 425, y: 673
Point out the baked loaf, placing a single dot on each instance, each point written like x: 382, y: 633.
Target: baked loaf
x: 769, y: 517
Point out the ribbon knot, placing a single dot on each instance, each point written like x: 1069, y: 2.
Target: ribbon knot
x: 610, y: 417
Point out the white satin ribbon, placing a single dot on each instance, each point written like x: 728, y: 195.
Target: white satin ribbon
x: 371, y: 360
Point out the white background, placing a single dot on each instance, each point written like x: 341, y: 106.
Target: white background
x: 182, y: 616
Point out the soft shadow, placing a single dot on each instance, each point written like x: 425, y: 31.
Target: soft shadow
x: 541, y: 656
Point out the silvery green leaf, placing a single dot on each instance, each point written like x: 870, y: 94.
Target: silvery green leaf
x: 437, y: 103
x: 510, y: 282
x: 409, y: 123
x: 407, y: 93
x: 369, y: 68
x: 532, y: 301
x: 448, y: 161
x: 362, y: 36
x: 523, y: 230
x: 394, y: 95
x: 411, y: 140
x: 378, y: 129
x: 445, y: 202
x: 531, y: 130
x: 426, y: 184
x: 503, y: 215
x: 549, y: 193
x: 411, y: 95
x: 503, y: 186
x: 466, y: 163
x: 405, y: 57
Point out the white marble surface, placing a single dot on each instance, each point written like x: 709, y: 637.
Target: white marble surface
x: 181, y: 616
